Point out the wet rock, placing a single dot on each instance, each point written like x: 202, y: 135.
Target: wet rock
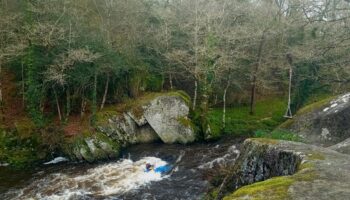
x: 92, y: 148
x: 271, y: 169
x: 325, y: 125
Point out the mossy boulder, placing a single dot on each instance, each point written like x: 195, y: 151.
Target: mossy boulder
x: 323, y: 123
x: 90, y: 148
x: 277, y: 170
x: 152, y: 117
x: 168, y: 116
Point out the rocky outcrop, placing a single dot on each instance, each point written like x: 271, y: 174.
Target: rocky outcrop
x: 342, y: 147
x: 325, y: 124
x: 91, y: 148
x: 271, y: 169
x: 161, y: 116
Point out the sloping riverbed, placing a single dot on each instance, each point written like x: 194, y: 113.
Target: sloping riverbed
x: 125, y: 178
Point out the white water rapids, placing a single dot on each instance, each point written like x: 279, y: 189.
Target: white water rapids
x: 125, y: 179
x: 104, y: 180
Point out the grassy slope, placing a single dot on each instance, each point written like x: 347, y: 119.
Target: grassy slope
x: 269, y: 114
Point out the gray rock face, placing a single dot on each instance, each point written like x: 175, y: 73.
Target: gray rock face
x: 162, y: 117
x: 165, y: 114
x: 125, y: 130
x: 92, y: 148
x: 342, y: 147
x: 313, y: 173
x: 327, y: 125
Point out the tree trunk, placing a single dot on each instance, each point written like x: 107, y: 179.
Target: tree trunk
x: 105, y: 93
x: 94, y: 99
x: 196, y: 57
x: 58, y: 105
x: 195, y: 94
x: 224, y: 106
x: 82, y: 107
x: 68, y: 106
x: 1, y: 98
x: 23, y: 86
x: 171, y: 81
x: 255, y: 73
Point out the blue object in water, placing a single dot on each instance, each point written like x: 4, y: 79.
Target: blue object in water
x: 163, y: 169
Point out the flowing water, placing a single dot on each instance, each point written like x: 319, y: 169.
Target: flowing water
x: 125, y: 178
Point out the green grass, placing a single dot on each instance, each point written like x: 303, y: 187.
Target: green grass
x: 268, y: 115
x: 278, y: 135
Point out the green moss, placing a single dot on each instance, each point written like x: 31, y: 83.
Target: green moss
x: 274, y: 188
x: 186, y: 122
x: 286, y: 124
x: 24, y: 127
x: 315, y: 156
x: 315, y: 105
x: 265, y: 140
x: 278, y: 134
x: 20, y: 152
x: 306, y: 165
x: 77, y: 148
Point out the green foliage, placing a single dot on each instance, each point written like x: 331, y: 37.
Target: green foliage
x: 34, y: 92
x: 269, y: 114
x: 18, y: 152
x: 278, y: 135
x: 307, y: 84
x: 154, y: 83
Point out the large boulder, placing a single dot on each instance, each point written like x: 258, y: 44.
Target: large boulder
x: 156, y: 116
x: 167, y: 115
x: 272, y: 169
x: 324, y: 123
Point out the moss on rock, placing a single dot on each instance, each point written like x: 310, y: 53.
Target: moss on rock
x: 317, y: 165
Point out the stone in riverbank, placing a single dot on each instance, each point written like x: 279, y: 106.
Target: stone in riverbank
x: 309, y: 172
x: 323, y: 123
x: 91, y: 148
x: 165, y: 115
x: 155, y: 116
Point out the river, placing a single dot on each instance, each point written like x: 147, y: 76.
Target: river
x: 125, y: 178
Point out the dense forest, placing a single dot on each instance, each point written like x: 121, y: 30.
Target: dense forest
x: 174, y: 99
x: 62, y: 61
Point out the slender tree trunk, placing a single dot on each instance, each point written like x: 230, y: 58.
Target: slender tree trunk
x: 255, y: 74
x: 68, y: 105
x: 224, y: 106
x: 196, y: 57
x: 171, y: 81
x: 94, y: 99
x: 195, y: 94
x: 82, y: 107
x: 58, y: 105
x: 105, y: 93
x: 23, y: 86
x: 1, y: 97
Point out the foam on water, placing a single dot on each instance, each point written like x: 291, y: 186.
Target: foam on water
x: 56, y: 160
x: 103, y: 180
